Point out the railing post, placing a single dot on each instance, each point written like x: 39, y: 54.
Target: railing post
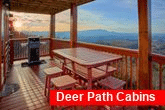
x: 144, y: 44
x: 51, y: 48
x: 4, y: 43
x: 145, y: 65
x: 52, y: 33
x: 73, y: 25
x: 11, y: 52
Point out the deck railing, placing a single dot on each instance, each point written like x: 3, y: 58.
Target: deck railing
x: 158, y: 67
x: 19, y: 48
x: 128, y: 68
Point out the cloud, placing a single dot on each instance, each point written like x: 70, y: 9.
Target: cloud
x: 158, y: 16
x: 28, y: 19
x: 112, y: 15
x: 86, y: 20
x: 99, y: 21
x: 33, y: 28
x: 158, y: 9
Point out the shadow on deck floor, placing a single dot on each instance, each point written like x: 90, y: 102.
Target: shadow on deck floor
x: 30, y: 96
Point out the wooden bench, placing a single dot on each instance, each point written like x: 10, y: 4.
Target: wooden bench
x: 63, y: 82
x: 97, y: 74
x: 51, y: 73
x: 112, y: 83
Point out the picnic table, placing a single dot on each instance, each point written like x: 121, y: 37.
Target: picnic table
x: 87, y: 58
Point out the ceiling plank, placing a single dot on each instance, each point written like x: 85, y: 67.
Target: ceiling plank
x: 43, y: 6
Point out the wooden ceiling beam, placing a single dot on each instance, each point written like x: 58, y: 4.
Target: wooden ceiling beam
x: 43, y: 6
x: 30, y: 9
x: 24, y: 7
x: 39, y: 11
x: 42, y: 2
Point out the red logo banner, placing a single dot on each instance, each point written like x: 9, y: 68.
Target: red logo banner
x: 107, y: 97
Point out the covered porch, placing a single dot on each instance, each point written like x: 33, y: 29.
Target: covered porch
x: 135, y: 68
x: 30, y: 95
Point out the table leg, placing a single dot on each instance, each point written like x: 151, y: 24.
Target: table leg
x: 74, y: 69
x: 117, y: 69
x: 46, y: 83
x: 89, y: 78
x: 48, y: 88
x: 80, y: 81
x: 107, y: 68
x: 63, y: 67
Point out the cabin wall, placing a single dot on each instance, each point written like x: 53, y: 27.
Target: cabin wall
x: 1, y: 47
x: 3, y: 34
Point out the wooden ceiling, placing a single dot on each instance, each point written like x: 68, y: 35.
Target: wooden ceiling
x: 43, y: 6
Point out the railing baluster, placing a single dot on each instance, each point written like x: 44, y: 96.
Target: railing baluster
x: 13, y: 48
x: 17, y: 48
x: 131, y: 72
x: 44, y: 48
x: 121, y: 68
x: 126, y: 72
x: 20, y: 50
x: 23, y: 51
x: 42, y: 51
x: 117, y: 68
x: 137, y: 73
x: 160, y: 76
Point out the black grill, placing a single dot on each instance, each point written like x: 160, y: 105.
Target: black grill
x: 33, y: 50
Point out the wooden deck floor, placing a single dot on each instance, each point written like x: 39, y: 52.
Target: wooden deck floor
x: 31, y: 81
x: 30, y: 96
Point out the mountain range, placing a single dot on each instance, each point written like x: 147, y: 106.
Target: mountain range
x: 97, y: 35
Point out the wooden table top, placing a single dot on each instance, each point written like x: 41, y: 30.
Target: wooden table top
x: 87, y: 57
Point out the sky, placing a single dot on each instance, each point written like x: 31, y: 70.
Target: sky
x: 110, y: 15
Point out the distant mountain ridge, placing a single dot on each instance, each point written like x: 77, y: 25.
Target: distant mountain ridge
x: 96, y: 35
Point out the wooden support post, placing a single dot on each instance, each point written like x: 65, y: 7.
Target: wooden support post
x: 4, y: 44
x: 73, y: 25
x: 145, y: 66
x: 52, y: 33
x: 145, y: 72
x: 0, y: 44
